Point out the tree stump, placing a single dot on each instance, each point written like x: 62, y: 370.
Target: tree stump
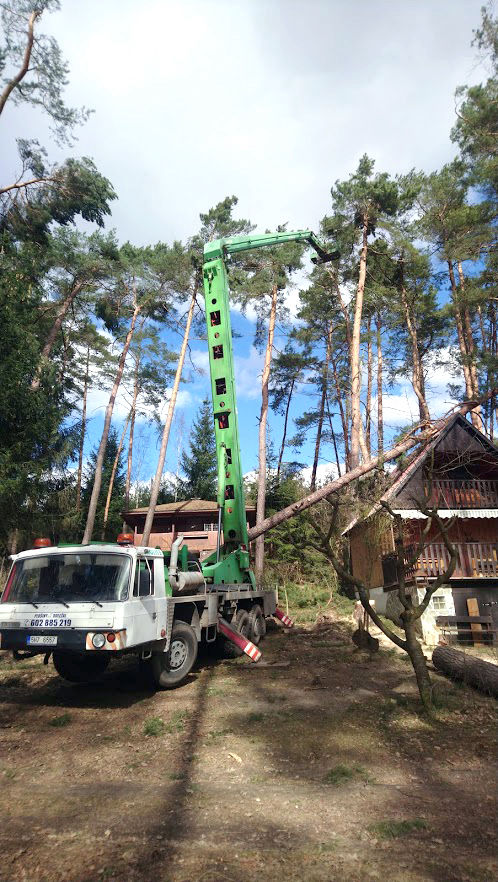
x: 459, y: 665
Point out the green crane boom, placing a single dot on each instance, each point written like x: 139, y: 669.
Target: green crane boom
x: 231, y: 561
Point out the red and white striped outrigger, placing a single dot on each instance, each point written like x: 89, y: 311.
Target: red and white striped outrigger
x: 286, y: 620
x: 242, y: 642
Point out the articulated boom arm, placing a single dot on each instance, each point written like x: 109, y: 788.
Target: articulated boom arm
x: 236, y: 244
x: 225, y: 566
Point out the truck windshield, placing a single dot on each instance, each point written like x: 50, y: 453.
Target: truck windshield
x: 81, y: 577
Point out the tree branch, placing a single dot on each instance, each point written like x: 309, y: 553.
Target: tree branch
x: 11, y: 85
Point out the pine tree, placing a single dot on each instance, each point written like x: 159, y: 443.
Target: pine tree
x: 114, y: 519
x: 199, y: 466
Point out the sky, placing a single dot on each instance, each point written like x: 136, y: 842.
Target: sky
x: 270, y: 100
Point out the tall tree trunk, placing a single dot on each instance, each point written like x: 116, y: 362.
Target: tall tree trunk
x: 460, y: 332
x: 418, y: 381
x: 113, y: 475
x: 83, y: 431
x: 368, y: 417
x: 356, y: 433
x: 259, y: 557
x: 49, y: 343
x: 284, y: 434
x: 380, y: 409
x: 156, y: 483
x: 92, y: 509
x: 321, y: 411
x: 484, y: 342
x: 342, y: 411
x: 130, y: 438
x: 470, y: 347
x: 332, y: 432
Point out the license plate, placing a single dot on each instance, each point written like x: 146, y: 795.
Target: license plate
x: 42, y: 640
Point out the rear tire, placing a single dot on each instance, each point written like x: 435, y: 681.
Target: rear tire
x: 257, y: 624
x: 241, y: 623
x: 77, y: 667
x: 170, y: 669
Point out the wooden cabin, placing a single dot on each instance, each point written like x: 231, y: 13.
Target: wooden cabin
x: 457, y: 474
x: 196, y: 519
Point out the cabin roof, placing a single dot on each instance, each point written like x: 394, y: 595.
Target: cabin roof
x: 186, y: 506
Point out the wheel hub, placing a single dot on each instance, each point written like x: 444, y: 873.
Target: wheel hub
x: 177, y: 654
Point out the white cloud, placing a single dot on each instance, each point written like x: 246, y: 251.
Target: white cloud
x: 294, y: 109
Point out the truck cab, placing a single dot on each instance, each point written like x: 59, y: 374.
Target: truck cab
x: 74, y: 597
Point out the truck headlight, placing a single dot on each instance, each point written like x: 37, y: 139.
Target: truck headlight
x: 98, y: 640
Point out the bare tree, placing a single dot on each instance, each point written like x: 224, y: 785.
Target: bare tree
x: 156, y: 483
x: 412, y: 611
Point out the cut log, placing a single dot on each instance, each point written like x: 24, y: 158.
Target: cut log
x: 462, y: 666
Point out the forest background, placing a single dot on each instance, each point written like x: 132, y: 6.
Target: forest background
x: 397, y: 330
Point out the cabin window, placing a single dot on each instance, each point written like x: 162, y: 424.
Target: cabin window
x: 210, y: 528
x: 439, y: 601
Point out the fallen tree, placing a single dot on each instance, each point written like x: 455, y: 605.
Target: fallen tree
x: 421, y: 434
x: 467, y: 668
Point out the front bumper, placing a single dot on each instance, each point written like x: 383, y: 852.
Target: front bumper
x: 72, y: 640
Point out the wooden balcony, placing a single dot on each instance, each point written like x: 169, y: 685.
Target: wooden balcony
x: 475, y: 560
x: 472, y: 493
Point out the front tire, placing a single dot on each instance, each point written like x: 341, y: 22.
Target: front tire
x: 170, y: 669
x: 79, y: 668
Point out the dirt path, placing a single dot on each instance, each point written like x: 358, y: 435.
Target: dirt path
x: 312, y: 766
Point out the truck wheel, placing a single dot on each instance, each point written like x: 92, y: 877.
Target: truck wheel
x: 79, y: 668
x: 241, y: 623
x: 257, y: 624
x: 170, y: 669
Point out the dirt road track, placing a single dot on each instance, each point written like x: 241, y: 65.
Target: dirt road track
x: 314, y: 765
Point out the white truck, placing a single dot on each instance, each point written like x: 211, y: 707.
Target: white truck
x: 84, y: 604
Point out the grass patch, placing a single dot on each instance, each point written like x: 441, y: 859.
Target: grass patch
x: 393, y: 829
x: 213, y: 691
x: 341, y: 773
x: 60, y: 722
x: 177, y: 776
x: 255, y: 717
x: 219, y: 733
x: 154, y: 727
x: 177, y: 722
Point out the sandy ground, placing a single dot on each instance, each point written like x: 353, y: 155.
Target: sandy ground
x: 313, y: 765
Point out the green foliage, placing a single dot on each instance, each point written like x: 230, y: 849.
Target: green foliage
x: 200, y: 465
x: 44, y: 83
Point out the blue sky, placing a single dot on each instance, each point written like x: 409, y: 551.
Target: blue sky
x: 270, y: 100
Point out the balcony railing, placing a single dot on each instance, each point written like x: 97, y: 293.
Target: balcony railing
x: 475, y: 560
x: 453, y: 493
